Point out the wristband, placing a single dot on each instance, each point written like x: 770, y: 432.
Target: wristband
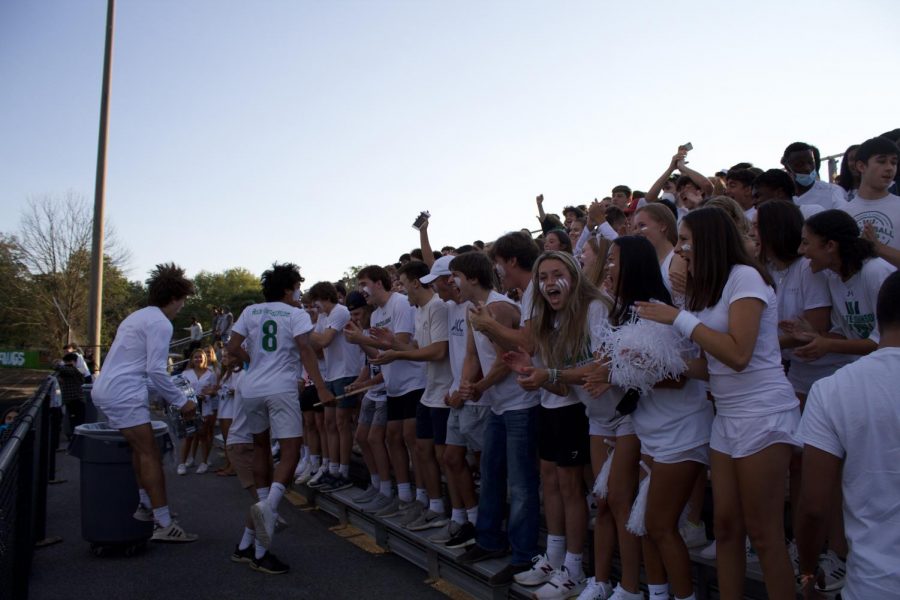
x: 552, y: 376
x: 685, y: 323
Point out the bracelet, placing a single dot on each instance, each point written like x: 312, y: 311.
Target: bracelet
x: 552, y: 376
x: 806, y: 579
x: 685, y: 323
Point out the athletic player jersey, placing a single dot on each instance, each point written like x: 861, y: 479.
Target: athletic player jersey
x: 401, y: 376
x: 137, y: 359
x: 270, y: 329
x: 342, y: 359
x: 506, y: 394
x: 853, y: 301
x: 457, y: 329
x: 762, y: 387
x: 431, y: 327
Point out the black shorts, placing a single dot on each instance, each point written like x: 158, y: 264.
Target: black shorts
x: 563, y: 435
x: 431, y: 423
x: 308, y: 399
x: 403, y: 407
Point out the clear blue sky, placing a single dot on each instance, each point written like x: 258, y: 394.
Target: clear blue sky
x: 247, y: 132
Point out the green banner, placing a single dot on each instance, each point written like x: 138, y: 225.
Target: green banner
x: 20, y: 359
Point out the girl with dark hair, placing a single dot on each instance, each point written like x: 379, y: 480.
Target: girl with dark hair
x: 848, y: 177
x: 831, y: 242
x: 557, y: 240
x: 731, y: 312
x: 672, y: 422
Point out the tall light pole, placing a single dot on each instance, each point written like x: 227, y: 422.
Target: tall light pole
x: 95, y: 318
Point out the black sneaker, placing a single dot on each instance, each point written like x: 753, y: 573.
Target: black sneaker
x: 326, y: 480
x: 505, y: 575
x: 337, y: 484
x: 477, y: 554
x: 463, y: 538
x: 243, y: 556
x: 269, y: 563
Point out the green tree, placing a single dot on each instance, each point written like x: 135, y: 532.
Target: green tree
x: 232, y: 288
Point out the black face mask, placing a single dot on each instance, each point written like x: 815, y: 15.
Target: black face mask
x: 627, y: 404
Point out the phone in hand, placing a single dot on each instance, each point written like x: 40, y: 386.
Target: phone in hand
x: 420, y: 220
x: 687, y: 147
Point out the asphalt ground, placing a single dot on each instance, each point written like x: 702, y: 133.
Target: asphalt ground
x: 326, y: 560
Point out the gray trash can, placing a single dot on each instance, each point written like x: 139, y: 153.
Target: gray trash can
x: 109, y: 491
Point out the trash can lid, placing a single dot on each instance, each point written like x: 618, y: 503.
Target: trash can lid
x: 102, y: 431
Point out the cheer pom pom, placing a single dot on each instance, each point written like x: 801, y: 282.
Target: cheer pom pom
x: 642, y: 353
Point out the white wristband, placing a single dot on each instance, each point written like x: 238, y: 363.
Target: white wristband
x: 685, y: 323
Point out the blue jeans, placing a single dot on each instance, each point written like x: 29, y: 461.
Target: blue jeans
x: 510, y: 450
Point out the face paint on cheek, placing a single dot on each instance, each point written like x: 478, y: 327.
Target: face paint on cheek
x: 367, y: 290
x: 296, y: 295
x: 457, y: 281
x: 501, y: 272
x: 542, y: 286
x: 686, y: 248
x: 563, y: 285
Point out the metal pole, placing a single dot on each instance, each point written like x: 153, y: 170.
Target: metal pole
x: 96, y: 296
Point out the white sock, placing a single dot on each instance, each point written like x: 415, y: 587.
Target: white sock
x: 691, y: 597
x: 472, y: 514
x: 376, y: 481
x: 262, y: 493
x: 144, y: 498
x: 386, y: 489
x: 345, y: 471
x: 275, y: 495
x: 258, y: 550
x: 326, y: 461
x: 436, y: 505
x: 304, y: 452
x: 247, y: 539
x: 404, y: 491
x: 573, y: 566
x: 556, y: 550
x: 422, y: 496
x: 658, y: 591
x: 458, y: 516
x: 316, y: 460
x: 161, y: 515
x: 334, y: 468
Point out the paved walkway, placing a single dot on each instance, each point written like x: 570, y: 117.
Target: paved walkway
x: 323, y: 563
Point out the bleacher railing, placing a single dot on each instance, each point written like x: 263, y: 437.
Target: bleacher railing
x: 24, y: 474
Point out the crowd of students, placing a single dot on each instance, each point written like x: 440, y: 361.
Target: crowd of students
x: 490, y: 368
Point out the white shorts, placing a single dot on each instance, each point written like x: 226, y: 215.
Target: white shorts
x: 698, y: 454
x: 742, y: 436
x: 126, y: 413
x: 278, y: 412
x: 226, y: 407
x: 615, y: 428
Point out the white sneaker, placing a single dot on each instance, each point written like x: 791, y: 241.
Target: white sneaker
x: 202, y: 468
x: 709, y: 553
x: 305, y: 473
x: 181, y: 469
x: 303, y: 464
x: 541, y: 572
x: 694, y: 536
x: 142, y: 513
x: 835, y: 571
x: 264, y: 522
x: 319, y: 474
x: 561, y: 586
x: 189, y: 462
x: 428, y: 520
x: 173, y: 533
x: 595, y: 590
x: 621, y: 594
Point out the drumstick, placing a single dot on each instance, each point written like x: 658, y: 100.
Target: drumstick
x: 348, y: 394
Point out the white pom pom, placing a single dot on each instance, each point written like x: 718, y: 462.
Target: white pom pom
x: 601, y: 485
x: 642, y: 353
x: 636, y: 523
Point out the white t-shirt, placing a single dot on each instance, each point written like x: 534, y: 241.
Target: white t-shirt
x: 269, y: 329
x: 431, y: 327
x: 205, y: 379
x: 342, y: 359
x: 401, y: 376
x: 826, y: 195
x: 527, y: 304
x: 762, y: 387
x: 138, y: 358
x: 799, y: 289
x: 320, y: 326
x: 853, y: 301
x: 457, y: 330
x: 196, y: 332
x: 506, y: 394
x: 238, y: 433
x: 854, y: 415
x: 883, y: 213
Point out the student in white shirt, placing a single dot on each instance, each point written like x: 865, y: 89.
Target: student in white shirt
x: 343, y: 362
x: 801, y: 163
x: 202, y: 378
x: 731, y: 313
x: 429, y: 346
x: 657, y: 223
x: 831, y: 242
x: 874, y: 207
x: 137, y: 359
x: 739, y: 187
x: 277, y: 342
x: 849, y: 431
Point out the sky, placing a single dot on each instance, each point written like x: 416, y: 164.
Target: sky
x: 243, y: 133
